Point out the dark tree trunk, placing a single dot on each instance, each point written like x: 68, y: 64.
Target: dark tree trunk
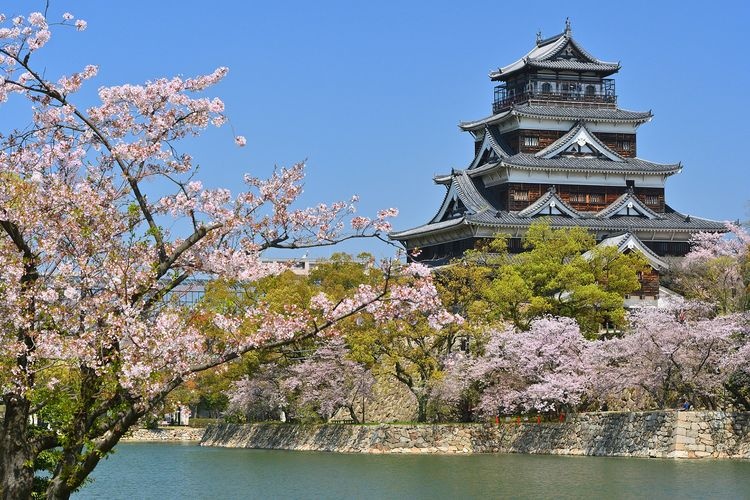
x: 422, y: 408
x: 353, y: 414
x: 16, y: 452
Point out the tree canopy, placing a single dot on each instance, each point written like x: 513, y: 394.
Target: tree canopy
x: 89, y: 340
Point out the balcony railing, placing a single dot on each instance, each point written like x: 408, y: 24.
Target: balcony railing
x: 585, y: 93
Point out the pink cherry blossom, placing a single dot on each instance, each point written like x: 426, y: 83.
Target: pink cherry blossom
x: 91, y: 261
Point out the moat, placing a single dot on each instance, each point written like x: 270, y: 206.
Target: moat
x: 166, y: 470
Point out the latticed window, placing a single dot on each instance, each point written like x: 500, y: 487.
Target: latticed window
x: 596, y: 198
x: 651, y: 199
x: 530, y: 141
x: 520, y: 196
x: 578, y: 198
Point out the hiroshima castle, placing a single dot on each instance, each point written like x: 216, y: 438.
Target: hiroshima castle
x: 557, y: 146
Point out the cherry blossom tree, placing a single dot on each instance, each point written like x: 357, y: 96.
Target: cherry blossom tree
x: 88, y: 341
x: 329, y: 381
x: 717, y: 269
x: 260, y: 397
x: 665, y: 355
x: 542, y: 369
x: 670, y: 354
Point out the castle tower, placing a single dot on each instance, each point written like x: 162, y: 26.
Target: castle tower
x: 556, y: 145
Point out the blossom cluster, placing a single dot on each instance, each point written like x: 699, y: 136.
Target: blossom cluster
x: 89, y: 257
x: 666, y: 356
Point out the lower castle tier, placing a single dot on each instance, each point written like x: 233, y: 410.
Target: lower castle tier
x: 556, y: 146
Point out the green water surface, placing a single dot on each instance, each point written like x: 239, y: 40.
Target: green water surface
x: 167, y: 471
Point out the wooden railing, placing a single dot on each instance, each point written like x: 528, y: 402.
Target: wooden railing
x: 501, y: 104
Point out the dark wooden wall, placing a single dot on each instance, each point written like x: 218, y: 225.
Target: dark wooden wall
x: 652, y: 197
x: 515, y: 140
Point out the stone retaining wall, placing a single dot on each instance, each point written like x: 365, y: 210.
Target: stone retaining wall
x: 663, y: 434
x: 162, y: 434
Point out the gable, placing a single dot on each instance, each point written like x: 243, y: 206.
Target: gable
x: 579, y: 142
x: 549, y: 204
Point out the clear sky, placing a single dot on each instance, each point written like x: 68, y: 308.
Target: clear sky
x: 371, y: 93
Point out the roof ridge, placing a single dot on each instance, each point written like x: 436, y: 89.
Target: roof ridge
x: 549, y: 40
x: 561, y: 112
x: 495, y: 141
x: 560, y: 141
x: 550, y: 196
x: 556, y: 147
x: 469, y: 194
x: 529, y: 161
x: 614, y: 207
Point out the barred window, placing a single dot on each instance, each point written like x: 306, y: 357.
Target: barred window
x: 578, y: 198
x: 651, y: 199
x: 531, y: 141
x: 520, y: 196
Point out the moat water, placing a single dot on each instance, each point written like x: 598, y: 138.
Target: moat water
x: 187, y: 471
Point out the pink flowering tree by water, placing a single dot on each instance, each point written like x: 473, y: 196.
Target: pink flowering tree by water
x: 89, y: 341
x: 328, y: 381
x: 664, y: 357
x: 670, y: 355
x: 260, y: 397
x: 717, y: 269
x: 542, y: 369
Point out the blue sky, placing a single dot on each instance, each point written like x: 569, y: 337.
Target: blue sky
x: 371, y: 93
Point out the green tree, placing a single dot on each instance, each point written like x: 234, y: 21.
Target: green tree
x: 563, y: 273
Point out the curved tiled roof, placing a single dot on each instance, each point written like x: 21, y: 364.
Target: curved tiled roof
x: 587, y: 164
x: 672, y: 220
x: 427, y: 228
x: 545, y: 201
x: 629, y: 241
x: 545, y: 52
x: 566, y: 64
x: 499, y: 145
x: 580, y: 129
x: 622, y: 202
x: 468, y: 193
x: 613, y: 115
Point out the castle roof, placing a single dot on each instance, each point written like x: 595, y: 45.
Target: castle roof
x: 549, y: 204
x: 583, y: 164
x: 673, y: 221
x: 579, y: 135
x: 627, y: 205
x: 630, y: 242
x: 561, y: 112
x: 626, y: 214
x: 560, y: 52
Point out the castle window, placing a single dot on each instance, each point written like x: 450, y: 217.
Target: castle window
x: 531, y: 141
x: 652, y: 199
x: 546, y: 88
x: 578, y: 198
x: 596, y: 198
x: 624, y: 145
x: 590, y: 90
x: 520, y: 196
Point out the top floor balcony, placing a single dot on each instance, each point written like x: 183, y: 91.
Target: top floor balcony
x: 595, y: 92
